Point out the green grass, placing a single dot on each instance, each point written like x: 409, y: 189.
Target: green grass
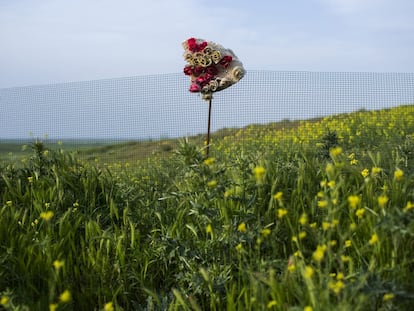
x: 312, y: 215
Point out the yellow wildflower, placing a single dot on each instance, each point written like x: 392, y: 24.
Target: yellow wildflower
x: 331, y: 184
x: 360, y: 212
x: 340, y: 276
x: 109, y: 306
x: 212, y: 184
x: 336, y: 287
x: 345, y: 258
x: 376, y: 171
x: 209, y: 161
x: 65, y: 296
x: 308, y: 308
x: 259, y: 172
x: 398, y: 174
x: 46, y: 215
x: 297, y: 254
x: 209, y: 229
x: 271, y: 304
x: 281, y: 212
x: 308, y: 273
x: 330, y: 169
x: 53, y: 307
x: 278, y: 196
x: 408, y: 206
x: 57, y: 264
x: 353, y: 201
x: 4, y: 300
x: 374, y: 239
x: 30, y: 179
x: 242, y: 227
x: 302, y: 235
x: 334, y: 152
x: 348, y: 243
x: 382, y: 200
x: 322, y: 203
x: 239, y: 247
x: 388, y: 296
x: 319, y: 253
x: 365, y: 173
x: 326, y: 225
x: 266, y: 232
x: 303, y: 220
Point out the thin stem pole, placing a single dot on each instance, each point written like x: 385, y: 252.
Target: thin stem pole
x: 208, y: 127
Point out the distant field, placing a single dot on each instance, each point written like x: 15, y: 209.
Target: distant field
x: 106, y: 151
x: 123, y: 151
x: 17, y: 149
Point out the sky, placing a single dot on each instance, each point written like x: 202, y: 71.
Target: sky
x: 113, y: 68
x: 54, y: 41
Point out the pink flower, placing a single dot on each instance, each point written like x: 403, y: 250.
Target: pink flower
x: 194, y: 87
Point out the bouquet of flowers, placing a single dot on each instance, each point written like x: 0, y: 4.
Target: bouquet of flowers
x: 210, y: 66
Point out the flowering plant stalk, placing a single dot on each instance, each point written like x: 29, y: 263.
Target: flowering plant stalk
x: 211, y: 68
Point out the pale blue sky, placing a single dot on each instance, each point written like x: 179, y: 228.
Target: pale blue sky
x: 53, y: 41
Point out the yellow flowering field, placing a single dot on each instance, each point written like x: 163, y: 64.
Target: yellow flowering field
x: 300, y: 215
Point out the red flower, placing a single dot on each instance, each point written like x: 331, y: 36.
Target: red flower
x: 202, y: 45
x: 194, y: 47
x: 188, y: 70
x: 212, y: 70
x: 198, y: 70
x: 208, y: 77
x: 201, y: 81
x: 192, y: 44
x: 225, y: 61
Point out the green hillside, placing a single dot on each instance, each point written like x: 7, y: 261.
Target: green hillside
x: 295, y: 215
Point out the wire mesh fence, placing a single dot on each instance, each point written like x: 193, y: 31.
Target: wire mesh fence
x: 158, y: 106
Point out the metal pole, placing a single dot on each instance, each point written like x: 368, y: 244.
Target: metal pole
x: 208, y: 126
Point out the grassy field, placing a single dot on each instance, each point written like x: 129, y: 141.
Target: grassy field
x: 296, y: 215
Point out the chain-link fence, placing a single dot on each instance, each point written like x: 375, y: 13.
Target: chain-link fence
x: 157, y: 106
